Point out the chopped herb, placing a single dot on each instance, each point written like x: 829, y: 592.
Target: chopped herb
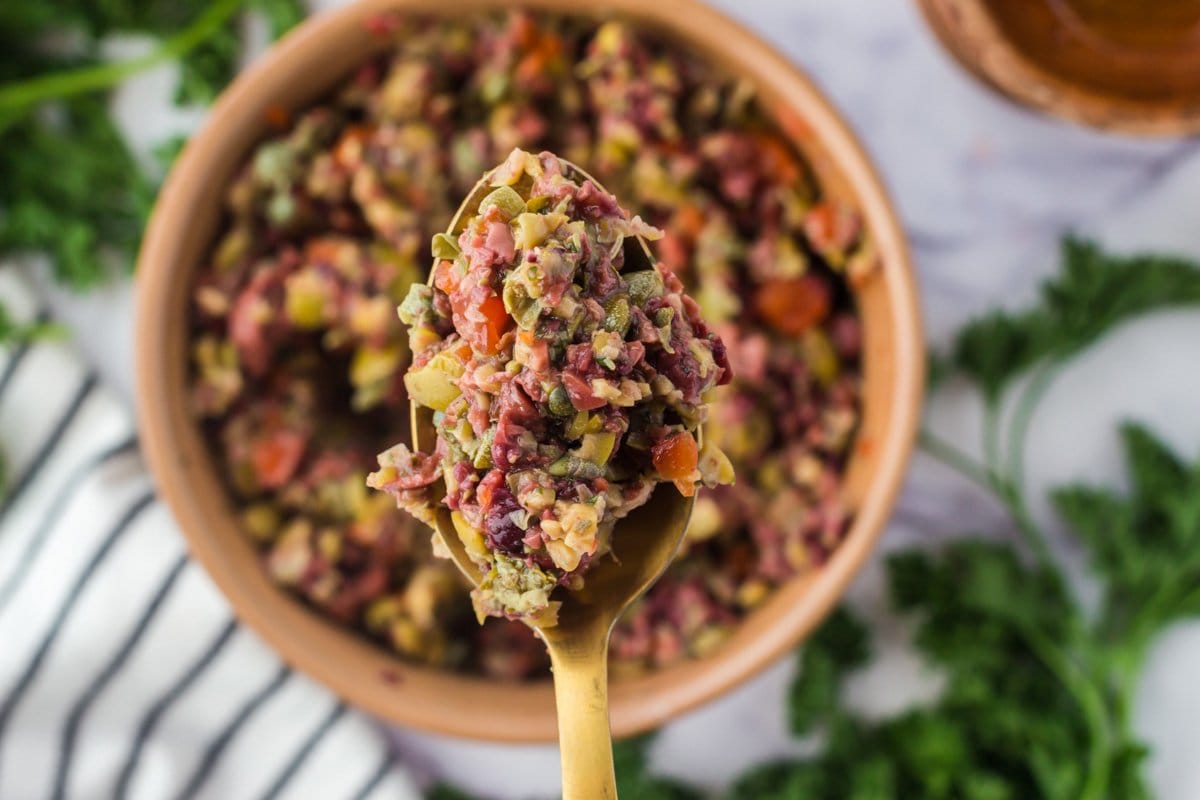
x: 72, y: 189
x: 841, y: 645
x: 1092, y: 294
x: 634, y: 781
x: 444, y: 792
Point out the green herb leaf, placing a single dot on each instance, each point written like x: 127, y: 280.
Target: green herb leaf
x: 206, y: 70
x: 840, y: 646
x: 210, y: 67
x: 1092, y: 294
x: 634, y: 782
x: 281, y: 15
x: 444, y: 792
x: 783, y: 780
x: 1145, y: 546
x: 72, y: 190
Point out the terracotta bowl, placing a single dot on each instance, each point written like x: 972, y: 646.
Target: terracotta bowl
x: 1131, y: 66
x: 298, y: 71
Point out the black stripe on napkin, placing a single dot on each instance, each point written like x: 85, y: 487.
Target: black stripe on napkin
x: 217, y: 747
x: 163, y: 704
x: 18, y: 355
x: 84, y: 703
x: 302, y: 754
x: 381, y: 772
x: 58, y: 506
x: 64, y: 610
x: 48, y: 447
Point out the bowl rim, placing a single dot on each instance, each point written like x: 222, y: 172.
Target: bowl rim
x: 973, y: 38
x: 637, y: 704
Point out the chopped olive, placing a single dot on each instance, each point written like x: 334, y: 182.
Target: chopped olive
x: 444, y: 246
x: 506, y: 198
x: 483, y: 452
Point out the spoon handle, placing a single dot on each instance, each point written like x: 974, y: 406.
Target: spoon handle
x: 581, y: 693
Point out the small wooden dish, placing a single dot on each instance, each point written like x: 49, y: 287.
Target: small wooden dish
x: 1128, y: 66
x: 298, y: 71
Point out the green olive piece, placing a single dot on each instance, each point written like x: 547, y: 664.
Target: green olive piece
x: 483, y: 451
x: 444, y: 247
x: 597, y: 447
x: 506, y: 198
x: 520, y: 306
x: 576, y: 427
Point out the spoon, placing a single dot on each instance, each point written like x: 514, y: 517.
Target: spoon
x: 643, y: 545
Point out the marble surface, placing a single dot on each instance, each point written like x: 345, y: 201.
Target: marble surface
x: 985, y: 191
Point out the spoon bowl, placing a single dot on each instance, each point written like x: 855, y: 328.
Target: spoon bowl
x: 643, y: 546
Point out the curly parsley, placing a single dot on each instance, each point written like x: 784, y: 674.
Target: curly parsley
x: 72, y: 190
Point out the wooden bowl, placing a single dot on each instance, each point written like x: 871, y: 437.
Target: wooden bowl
x: 300, y: 69
x: 1128, y: 66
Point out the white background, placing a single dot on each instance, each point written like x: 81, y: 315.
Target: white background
x: 985, y: 190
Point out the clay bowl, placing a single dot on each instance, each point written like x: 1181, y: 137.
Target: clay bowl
x: 1127, y: 66
x: 298, y: 71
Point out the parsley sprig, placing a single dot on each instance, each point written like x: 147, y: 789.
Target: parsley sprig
x: 1038, y: 691
x: 72, y: 190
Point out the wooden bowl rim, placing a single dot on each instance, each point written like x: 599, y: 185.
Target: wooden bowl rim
x: 971, y: 35
x: 467, y: 706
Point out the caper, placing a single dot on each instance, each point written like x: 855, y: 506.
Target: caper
x: 616, y: 315
x: 643, y: 285
x: 575, y: 467
x: 560, y: 403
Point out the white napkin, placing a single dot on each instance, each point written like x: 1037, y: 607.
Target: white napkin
x: 123, y: 672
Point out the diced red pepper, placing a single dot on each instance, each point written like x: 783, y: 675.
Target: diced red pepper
x: 348, y: 151
x: 323, y: 250
x: 675, y: 458
x: 276, y: 456
x: 444, y: 278
x: 794, y: 305
x: 496, y: 323
x: 778, y: 160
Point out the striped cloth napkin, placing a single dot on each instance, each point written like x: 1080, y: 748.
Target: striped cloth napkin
x: 123, y: 673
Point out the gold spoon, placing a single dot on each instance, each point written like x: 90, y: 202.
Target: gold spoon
x: 644, y: 543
